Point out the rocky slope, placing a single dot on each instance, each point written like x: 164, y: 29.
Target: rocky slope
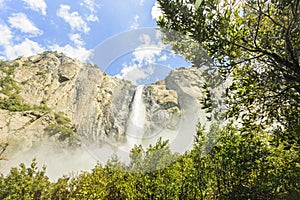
x: 50, y: 97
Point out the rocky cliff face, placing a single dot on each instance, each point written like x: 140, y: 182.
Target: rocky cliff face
x: 52, y: 97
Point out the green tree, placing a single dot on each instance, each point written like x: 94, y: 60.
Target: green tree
x: 25, y: 183
x: 243, y: 165
x: 61, y: 189
x: 154, y: 172
x: 258, y: 41
x: 88, y: 185
x: 257, y: 44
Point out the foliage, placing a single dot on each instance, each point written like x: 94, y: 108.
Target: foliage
x: 63, y: 131
x: 40, y: 73
x: 90, y: 185
x: 42, y: 108
x: 257, y: 41
x: 238, y: 166
x: 61, y: 119
x: 62, y: 127
x: 24, y: 183
x: 8, y: 85
x: 13, y: 103
x: 241, y: 33
x: 60, y: 190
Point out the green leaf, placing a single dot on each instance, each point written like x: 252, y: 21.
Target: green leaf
x: 198, y: 3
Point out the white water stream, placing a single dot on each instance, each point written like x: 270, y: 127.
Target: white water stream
x: 135, y: 126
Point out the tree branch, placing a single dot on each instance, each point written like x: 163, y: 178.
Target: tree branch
x: 289, y: 47
x: 267, y: 15
x: 258, y: 24
x: 242, y: 61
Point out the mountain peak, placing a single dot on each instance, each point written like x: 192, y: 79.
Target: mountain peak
x: 51, y: 97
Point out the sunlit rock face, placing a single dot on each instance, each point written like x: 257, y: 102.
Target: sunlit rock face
x: 98, y: 106
x: 169, y: 99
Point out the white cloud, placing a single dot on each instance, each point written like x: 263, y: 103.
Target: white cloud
x: 135, y: 24
x: 20, y: 21
x: 92, y: 18
x: 156, y: 11
x: 135, y: 73
x: 79, y: 53
x: 91, y: 6
x: 5, y: 35
x: 2, y: 58
x: 11, y: 51
x: 163, y: 58
x: 73, y: 19
x: 141, y: 68
x: 37, y: 5
x: 76, y: 39
x: 147, y: 52
x: 26, y: 48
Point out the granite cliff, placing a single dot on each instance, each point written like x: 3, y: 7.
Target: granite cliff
x: 50, y: 97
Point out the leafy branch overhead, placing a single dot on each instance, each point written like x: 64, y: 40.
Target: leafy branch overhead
x: 255, y: 42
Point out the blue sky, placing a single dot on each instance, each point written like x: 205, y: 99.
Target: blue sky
x: 78, y: 28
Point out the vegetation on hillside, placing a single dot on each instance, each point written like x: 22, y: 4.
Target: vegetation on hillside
x: 63, y: 128
x: 12, y: 101
x: 9, y: 89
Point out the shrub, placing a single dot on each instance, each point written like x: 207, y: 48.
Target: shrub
x: 63, y: 131
x: 61, y: 119
x: 25, y: 183
x: 13, y: 103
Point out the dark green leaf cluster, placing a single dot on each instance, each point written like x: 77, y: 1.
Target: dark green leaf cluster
x: 13, y: 103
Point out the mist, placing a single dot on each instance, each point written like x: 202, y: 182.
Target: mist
x: 58, y: 161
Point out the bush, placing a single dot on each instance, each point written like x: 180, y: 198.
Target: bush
x: 8, y: 85
x: 13, y: 103
x: 61, y: 119
x: 25, y: 183
x: 63, y: 131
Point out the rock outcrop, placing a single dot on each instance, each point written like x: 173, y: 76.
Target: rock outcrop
x: 63, y: 99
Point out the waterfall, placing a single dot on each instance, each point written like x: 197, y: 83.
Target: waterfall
x: 135, y: 125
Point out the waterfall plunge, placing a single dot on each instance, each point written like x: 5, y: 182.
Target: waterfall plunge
x: 135, y: 126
